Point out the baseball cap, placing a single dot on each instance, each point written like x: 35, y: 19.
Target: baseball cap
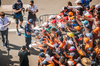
x: 31, y: 21
x: 41, y: 55
x: 70, y: 13
x: 45, y: 62
x: 89, y: 35
x: 35, y: 32
x: 70, y: 63
x: 90, y: 49
x: 86, y: 39
x: 78, y: 64
x: 59, y: 17
x: 45, y: 24
x: 60, y: 25
x: 63, y: 8
x: 85, y: 22
x: 80, y: 35
x: 73, y: 20
x: 41, y: 50
x: 72, y: 48
x: 87, y: 26
x: 72, y: 54
x: 70, y: 34
x: 51, y: 17
x: 77, y: 28
x: 70, y: 42
x: 97, y: 6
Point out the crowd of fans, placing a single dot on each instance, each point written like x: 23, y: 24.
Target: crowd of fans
x: 72, y: 38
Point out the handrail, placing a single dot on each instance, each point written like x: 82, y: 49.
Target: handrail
x: 44, y: 18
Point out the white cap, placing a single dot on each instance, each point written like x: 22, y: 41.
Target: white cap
x: 97, y: 6
x: 70, y: 42
x: 78, y: 1
x: 45, y: 24
x: 36, y: 32
x: 79, y: 64
x: 70, y: 63
x: 51, y: 16
x: 60, y: 25
x: 59, y: 17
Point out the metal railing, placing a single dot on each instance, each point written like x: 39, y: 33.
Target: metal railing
x: 44, y: 18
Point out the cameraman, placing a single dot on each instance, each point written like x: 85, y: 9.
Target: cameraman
x: 23, y: 56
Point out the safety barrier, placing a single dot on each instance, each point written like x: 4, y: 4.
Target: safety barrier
x: 44, y: 18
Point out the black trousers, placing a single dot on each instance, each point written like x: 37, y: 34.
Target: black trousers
x: 4, y: 35
x: 28, y: 42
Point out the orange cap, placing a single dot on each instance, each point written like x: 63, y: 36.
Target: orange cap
x: 77, y: 28
x: 86, y: 39
x: 70, y: 13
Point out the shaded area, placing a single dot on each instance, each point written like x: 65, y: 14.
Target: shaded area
x: 34, y: 52
x: 5, y: 60
x: 14, y: 47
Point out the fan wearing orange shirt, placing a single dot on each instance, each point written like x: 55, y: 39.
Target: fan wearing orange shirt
x: 61, y: 43
x: 88, y: 44
x: 96, y: 31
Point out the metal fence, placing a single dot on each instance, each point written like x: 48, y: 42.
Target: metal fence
x: 44, y: 18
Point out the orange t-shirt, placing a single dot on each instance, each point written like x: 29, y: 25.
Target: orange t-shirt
x: 62, y: 45
x: 96, y: 49
x: 88, y: 46
x: 50, y: 63
x: 80, y: 52
x: 96, y: 31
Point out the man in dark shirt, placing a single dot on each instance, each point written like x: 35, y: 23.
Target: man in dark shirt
x: 66, y: 11
x: 17, y: 8
x: 23, y: 56
x: 28, y: 31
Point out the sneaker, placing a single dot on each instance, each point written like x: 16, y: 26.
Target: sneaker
x: 18, y: 33
x: 22, y: 27
x: 3, y: 44
x: 8, y: 48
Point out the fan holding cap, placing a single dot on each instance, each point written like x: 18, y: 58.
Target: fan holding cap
x: 28, y: 31
x: 65, y: 11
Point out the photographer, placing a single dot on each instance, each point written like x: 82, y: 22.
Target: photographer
x: 23, y: 56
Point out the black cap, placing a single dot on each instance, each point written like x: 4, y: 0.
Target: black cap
x: 90, y: 49
x: 87, y: 26
x: 45, y: 62
x: 41, y: 50
x: 41, y: 55
x: 93, y: 55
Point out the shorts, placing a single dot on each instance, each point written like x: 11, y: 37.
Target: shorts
x: 30, y: 16
x: 18, y: 18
